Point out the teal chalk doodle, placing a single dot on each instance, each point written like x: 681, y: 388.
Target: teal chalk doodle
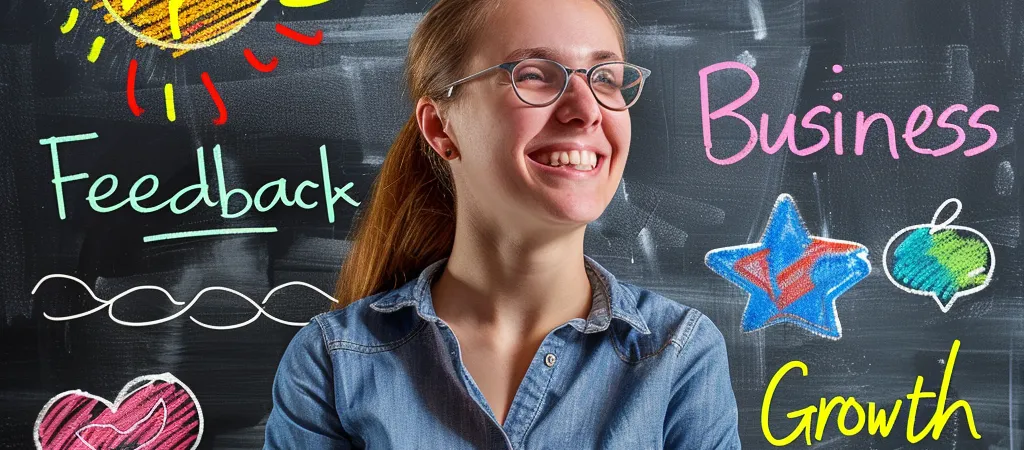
x: 944, y: 263
x: 940, y: 260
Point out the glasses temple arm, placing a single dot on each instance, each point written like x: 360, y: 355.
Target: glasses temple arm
x: 451, y: 86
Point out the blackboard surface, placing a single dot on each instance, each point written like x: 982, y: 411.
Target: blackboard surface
x: 103, y: 302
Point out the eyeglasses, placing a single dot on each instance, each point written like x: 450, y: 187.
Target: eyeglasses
x: 540, y: 82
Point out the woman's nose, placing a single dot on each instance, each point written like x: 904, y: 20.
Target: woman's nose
x: 578, y: 103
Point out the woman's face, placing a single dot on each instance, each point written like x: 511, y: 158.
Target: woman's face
x: 501, y: 140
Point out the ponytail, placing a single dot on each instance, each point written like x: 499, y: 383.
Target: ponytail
x: 410, y: 221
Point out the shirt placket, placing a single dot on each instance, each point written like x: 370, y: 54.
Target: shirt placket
x: 529, y: 398
x: 532, y: 390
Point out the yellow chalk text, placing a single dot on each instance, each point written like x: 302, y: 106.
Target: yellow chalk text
x: 852, y: 418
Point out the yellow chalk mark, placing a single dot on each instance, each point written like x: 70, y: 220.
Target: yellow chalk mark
x: 158, y: 27
x: 218, y: 18
x: 127, y: 4
x: 97, y: 45
x: 169, y: 101
x: 182, y: 25
x: 301, y: 3
x: 72, y: 19
x: 172, y: 7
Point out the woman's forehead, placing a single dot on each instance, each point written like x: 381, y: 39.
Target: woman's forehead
x: 569, y: 31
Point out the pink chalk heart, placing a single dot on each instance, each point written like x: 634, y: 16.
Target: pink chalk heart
x: 152, y: 412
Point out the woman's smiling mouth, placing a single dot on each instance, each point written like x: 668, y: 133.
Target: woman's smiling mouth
x: 569, y: 160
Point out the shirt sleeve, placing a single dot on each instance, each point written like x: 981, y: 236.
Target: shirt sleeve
x: 702, y: 411
x: 304, y: 413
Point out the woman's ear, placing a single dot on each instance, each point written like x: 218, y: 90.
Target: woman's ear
x: 435, y: 129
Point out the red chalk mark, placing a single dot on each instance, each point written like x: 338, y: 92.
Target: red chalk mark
x: 299, y: 37
x: 133, y: 67
x: 754, y: 268
x: 795, y: 281
x: 255, y: 63
x: 216, y: 99
x: 192, y: 28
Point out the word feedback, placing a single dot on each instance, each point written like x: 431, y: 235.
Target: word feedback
x: 266, y: 197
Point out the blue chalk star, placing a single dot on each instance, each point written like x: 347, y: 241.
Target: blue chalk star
x: 792, y: 277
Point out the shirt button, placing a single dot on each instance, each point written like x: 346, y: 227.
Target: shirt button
x: 549, y: 359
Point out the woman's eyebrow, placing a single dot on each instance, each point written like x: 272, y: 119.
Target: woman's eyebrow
x: 549, y: 53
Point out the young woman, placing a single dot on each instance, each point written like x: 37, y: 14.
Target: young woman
x: 469, y: 316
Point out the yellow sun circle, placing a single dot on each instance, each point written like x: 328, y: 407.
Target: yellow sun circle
x: 183, y: 24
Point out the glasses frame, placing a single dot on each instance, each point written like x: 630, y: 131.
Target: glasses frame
x: 511, y: 65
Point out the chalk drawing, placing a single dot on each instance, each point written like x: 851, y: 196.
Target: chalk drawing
x: 301, y: 3
x: 791, y: 276
x: 182, y: 25
x: 149, y: 421
x: 185, y: 25
x: 70, y: 23
x: 109, y: 304
x: 152, y: 412
x: 757, y: 23
x: 169, y: 101
x: 97, y: 46
x: 133, y: 68
x: 250, y: 57
x: 289, y: 33
x: 222, y: 111
x: 939, y: 260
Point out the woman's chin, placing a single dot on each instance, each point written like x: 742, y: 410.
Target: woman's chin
x: 576, y: 211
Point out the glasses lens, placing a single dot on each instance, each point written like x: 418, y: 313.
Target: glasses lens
x: 616, y: 85
x: 538, y: 81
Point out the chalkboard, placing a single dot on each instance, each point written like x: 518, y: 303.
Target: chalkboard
x: 251, y: 143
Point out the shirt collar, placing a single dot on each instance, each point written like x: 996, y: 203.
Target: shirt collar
x: 610, y: 299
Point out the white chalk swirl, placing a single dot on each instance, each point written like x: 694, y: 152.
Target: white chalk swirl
x: 108, y: 304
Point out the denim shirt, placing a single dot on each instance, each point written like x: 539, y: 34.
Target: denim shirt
x: 641, y: 372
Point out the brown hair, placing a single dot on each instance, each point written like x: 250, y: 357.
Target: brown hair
x: 410, y: 220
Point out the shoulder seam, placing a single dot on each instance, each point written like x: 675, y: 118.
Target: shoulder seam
x: 685, y: 331
x: 323, y: 331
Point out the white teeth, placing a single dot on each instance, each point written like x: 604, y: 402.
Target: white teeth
x: 579, y: 159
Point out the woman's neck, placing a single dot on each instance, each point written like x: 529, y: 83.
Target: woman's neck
x: 513, y: 287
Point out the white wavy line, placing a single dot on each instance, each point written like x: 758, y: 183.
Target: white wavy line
x: 110, y: 303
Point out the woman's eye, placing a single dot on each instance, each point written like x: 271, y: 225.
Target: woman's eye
x: 605, y: 78
x: 527, y: 76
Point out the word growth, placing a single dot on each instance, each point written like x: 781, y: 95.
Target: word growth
x: 878, y: 420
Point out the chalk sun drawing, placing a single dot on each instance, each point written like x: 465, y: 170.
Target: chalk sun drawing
x: 182, y: 25
x: 791, y: 276
x: 109, y: 304
x: 939, y: 260
x: 152, y: 412
x: 186, y: 25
